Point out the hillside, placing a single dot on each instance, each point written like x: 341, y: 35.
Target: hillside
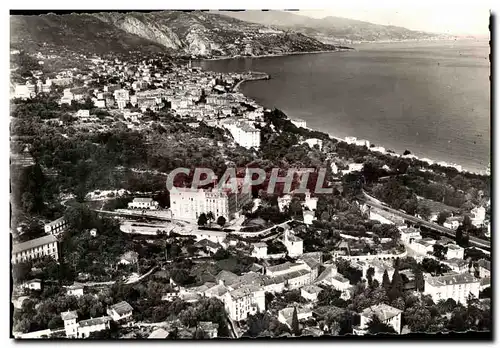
x: 329, y: 29
x: 184, y: 33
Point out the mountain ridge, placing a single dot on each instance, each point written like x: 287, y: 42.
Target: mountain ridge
x: 331, y: 29
x: 193, y: 33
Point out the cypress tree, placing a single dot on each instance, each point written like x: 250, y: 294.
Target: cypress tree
x: 295, y: 323
x: 386, y: 282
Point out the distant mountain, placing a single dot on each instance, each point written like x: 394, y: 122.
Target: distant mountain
x: 185, y: 33
x: 329, y: 29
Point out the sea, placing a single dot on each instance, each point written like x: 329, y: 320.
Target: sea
x: 429, y: 97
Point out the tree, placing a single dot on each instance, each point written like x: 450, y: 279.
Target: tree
x: 295, y: 323
x: 439, y: 251
x: 210, y: 216
x: 407, y: 152
x: 386, y: 282
x: 419, y: 279
x: 442, y: 216
x: 202, y: 219
x: 376, y: 326
x: 221, y: 221
x: 369, y: 275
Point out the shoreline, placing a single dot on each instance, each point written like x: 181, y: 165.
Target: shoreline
x: 428, y: 160
x: 441, y: 163
x: 278, y: 54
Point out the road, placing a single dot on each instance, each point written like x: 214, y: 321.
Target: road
x: 473, y: 241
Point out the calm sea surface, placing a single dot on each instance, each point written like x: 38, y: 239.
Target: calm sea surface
x: 432, y: 98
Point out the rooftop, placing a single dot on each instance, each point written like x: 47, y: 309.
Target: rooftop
x: 227, y: 277
x: 451, y: 279
x: 122, y: 308
x: 340, y: 278
x: 69, y: 315
x: 206, y: 243
x: 143, y: 200
x: 34, y: 243
x: 312, y: 289
x: 484, y: 264
x: 94, y: 321
x: 158, y: 333
x: 382, y: 311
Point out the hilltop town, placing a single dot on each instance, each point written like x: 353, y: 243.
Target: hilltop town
x: 101, y: 249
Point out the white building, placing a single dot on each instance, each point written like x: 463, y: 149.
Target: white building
x: 35, y: 249
x: 33, y: 284
x: 388, y: 315
x: 314, y: 141
x: 122, y: 98
x: 121, y: 311
x: 310, y: 202
x: 285, y: 315
x: 259, y: 250
x: 310, y: 292
x: 454, y: 252
x: 294, y: 245
x: 410, y: 235
x: 244, y: 134
x: 86, y: 327
x: 248, y: 299
x: 129, y: 258
x: 82, y: 113
x: 300, y: 123
x: 70, y: 324
x: 453, y: 222
x: 23, y: 92
x: 75, y: 290
x: 478, y: 216
x: 453, y: 285
x: 186, y: 203
x: 143, y: 204
x: 56, y: 227
x: 308, y: 217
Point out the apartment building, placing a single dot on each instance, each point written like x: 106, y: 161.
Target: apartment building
x: 186, y: 203
x: 35, y: 249
x: 248, y: 299
x: 56, y: 227
x: 387, y: 314
x: 453, y: 285
x: 244, y: 134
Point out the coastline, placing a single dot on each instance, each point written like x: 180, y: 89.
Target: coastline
x: 279, y: 54
x: 428, y: 160
x: 486, y: 171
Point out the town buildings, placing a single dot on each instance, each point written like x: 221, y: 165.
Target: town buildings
x: 143, y: 203
x: 83, y: 328
x: 285, y: 315
x: 294, y: 245
x: 244, y: 134
x: 186, y: 203
x: 387, y: 315
x: 35, y: 249
x: 56, y: 227
x: 120, y: 312
x: 453, y: 285
x: 298, y: 122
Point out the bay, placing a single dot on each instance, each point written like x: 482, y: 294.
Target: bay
x: 432, y: 98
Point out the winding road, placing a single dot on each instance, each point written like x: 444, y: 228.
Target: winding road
x: 473, y: 241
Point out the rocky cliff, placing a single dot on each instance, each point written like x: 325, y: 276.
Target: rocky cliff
x: 194, y: 33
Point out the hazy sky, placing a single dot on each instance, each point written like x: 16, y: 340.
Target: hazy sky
x: 449, y: 17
